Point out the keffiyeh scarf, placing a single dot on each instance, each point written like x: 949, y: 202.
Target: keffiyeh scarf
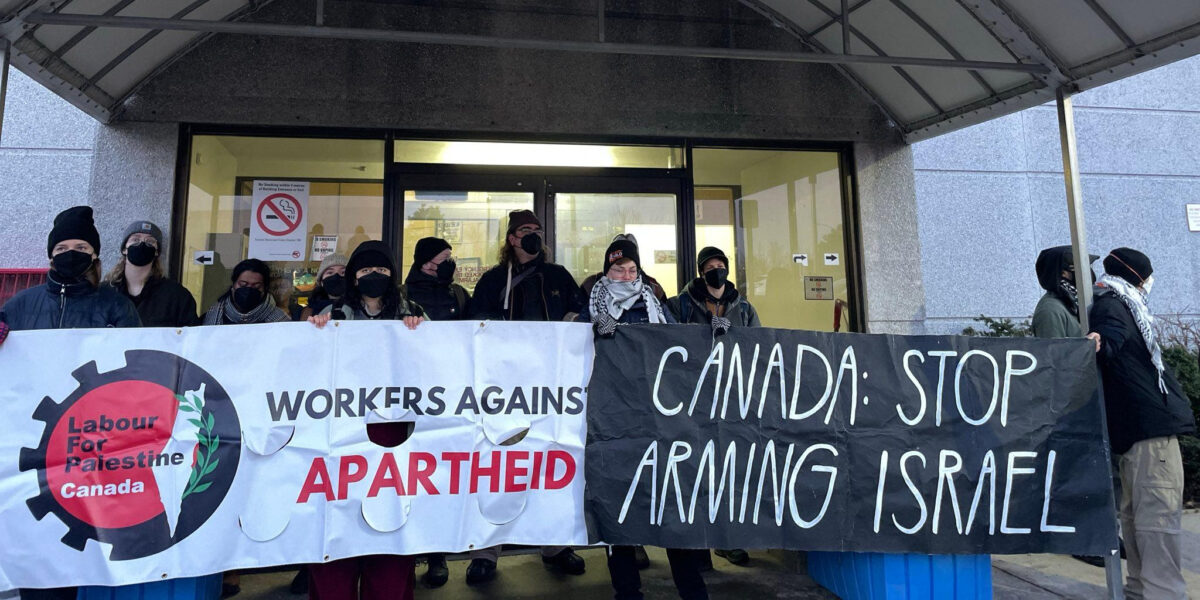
x: 1135, y: 301
x: 610, y: 299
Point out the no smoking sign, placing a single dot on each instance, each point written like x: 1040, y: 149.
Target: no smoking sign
x: 278, y: 231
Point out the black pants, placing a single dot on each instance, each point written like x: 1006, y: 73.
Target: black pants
x: 49, y: 594
x: 685, y: 570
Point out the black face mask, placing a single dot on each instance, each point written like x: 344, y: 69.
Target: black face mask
x: 246, y: 298
x: 70, y: 265
x: 716, y: 278
x: 335, y: 286
x: 140, y: 255
x: 532, y: 243
x: 374, y: 285
x: 445, y: 271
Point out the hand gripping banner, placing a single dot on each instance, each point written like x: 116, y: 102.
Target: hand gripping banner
x: 768, y: 438
x: 140, y: 455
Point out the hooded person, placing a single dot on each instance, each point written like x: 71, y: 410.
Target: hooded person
x: 248, y: 299
x: 374, y: 292
x: 621, y: 294
x: 72, y: 296
x: 430, y: 281
x: 1146, y: 410
x: 525, y: 286
x: 330, y: 286
x: 138, y: 275
x: 711, y: 299
x: 586, y: 286
x: 1057, y: 312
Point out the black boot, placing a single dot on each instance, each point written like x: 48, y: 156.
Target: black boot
x: 481, y: 570
x: 437, y: 574
x: 735, y: 556
x: 566, y: 561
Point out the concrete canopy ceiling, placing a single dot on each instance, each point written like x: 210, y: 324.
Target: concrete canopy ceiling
x: 931, y: 66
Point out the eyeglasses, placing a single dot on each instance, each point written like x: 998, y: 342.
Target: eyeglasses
x: 630, y: 270
x: 139, y: 238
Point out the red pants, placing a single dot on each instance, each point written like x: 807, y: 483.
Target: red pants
x: 383, y: 577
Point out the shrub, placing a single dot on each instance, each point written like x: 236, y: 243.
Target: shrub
x: 1001, y: 327
x: 1183, y: 362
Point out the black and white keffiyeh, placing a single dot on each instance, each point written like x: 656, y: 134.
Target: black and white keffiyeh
x: 1135, y: 301
x: 610, y: 299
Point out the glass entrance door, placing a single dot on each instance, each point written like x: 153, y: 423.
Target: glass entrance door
x: 589, y: 211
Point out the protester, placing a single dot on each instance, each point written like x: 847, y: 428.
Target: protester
x: 712, y: 300
x: 591, y: 280
x: 430, y: 281
x: 1146, y: 410
x: 374, y: 293
x: 330, y: 286
x: 525, y: 286
x: 248, y: 299
x: 1057, y: 313
x: 71, y: 298
x: 621, y: 295
x: 138, y: 275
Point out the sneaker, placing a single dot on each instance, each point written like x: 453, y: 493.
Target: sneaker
x: 640, y: 558
x: 481, y: 570
x: 566, y: 561
x: 437, y: 574
x: 734, y: 556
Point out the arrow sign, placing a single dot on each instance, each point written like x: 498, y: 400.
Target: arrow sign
x: 800, y: 259
x: 202, y: 257
x: 832, y: 259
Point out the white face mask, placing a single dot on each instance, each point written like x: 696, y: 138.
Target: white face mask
x: 1147, y: 284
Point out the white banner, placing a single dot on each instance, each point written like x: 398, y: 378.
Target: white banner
x: 174, y: 453
x: 279, y: 220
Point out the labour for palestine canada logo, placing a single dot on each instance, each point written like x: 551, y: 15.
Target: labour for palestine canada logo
x: 138, y: 457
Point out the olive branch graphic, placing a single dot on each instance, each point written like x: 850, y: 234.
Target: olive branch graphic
x: 206, y: 460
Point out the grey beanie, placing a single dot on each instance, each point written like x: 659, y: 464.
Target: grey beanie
x: 330, y: 261
x: 142, y: 227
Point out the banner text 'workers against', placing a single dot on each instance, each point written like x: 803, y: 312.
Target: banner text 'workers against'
x: 768, y: 438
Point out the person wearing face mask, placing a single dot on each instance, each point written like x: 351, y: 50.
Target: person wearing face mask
x: 711, y: 299
x: 525, y: 286
x: 430, y: 282
x: 71, y: 298
x: 138, y: 275
x: 1146, y: 409
x: 1057, y: 313
x: 330, y: 287
x: 248, y: 299
x: 373, y: 293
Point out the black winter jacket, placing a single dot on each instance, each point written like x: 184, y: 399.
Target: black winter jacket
x: 689, y: 306
x: 1137, y: 409
x: 72, y: 306
x: 441, y: 302
x: 162, y: 303
x: 547, y: 294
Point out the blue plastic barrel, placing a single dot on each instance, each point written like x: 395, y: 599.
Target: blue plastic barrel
x: 874, y: 576
x: 186, y: 588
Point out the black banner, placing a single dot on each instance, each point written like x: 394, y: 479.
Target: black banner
x: 771, y: 438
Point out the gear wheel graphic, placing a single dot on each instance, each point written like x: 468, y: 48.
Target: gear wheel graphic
x: 152, y: 535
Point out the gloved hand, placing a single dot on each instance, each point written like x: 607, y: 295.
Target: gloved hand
x: 605, y: 327
x: 720, y: 325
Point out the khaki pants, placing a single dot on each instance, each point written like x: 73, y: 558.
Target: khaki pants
x: 1151, y: 516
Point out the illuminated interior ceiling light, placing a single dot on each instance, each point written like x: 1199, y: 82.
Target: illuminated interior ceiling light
x: 550, y: 155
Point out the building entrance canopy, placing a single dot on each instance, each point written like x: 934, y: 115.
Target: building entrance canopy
x: 930, y: 66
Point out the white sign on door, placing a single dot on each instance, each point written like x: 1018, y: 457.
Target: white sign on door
x: 279, y: 220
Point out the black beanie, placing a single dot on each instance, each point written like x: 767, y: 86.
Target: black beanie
x: 371, y: 253
x: 75, y: 223
x: 1128, y: 264
x: 520, y: 218
x: 427, y: 248
x: 708, y: 253
x: 620, y: 250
